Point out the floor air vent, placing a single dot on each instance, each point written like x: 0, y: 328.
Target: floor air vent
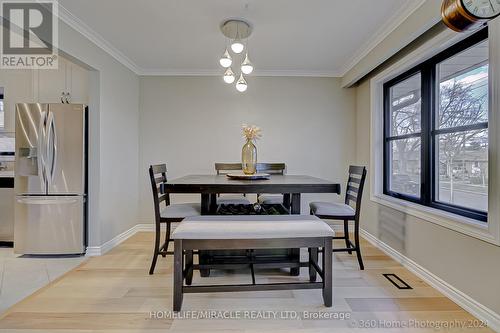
x: 397, y: 281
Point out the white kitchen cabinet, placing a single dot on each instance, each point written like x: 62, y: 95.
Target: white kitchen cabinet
x: 78, y: 83
x: 18, y: 87
x: 7, y: 215
x: 69, y: 78
x: 50, y: 83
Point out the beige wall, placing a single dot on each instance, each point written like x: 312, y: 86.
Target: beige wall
x: 466, y: 263
x: 192, y: 122
x: 114, y: 137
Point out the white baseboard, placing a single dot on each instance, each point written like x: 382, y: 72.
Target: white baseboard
x: 151, y: 227
x: 93, y: 251
x: 465, y: 301
x: 148, y: 227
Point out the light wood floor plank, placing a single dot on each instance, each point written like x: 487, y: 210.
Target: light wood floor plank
x: 115, y: 293
x: 87, y: 320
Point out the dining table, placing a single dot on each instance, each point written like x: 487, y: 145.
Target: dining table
x: 291, y: 186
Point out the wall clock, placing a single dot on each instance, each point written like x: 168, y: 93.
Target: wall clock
x: 462, y: 15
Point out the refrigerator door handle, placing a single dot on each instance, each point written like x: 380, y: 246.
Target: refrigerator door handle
x: 41, y: 153
x: 52, y: 146
x: 34, y: 200
x: 48, y: 149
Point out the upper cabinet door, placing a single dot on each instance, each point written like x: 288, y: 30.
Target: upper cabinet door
x: 68, y: 78
x: 51, y: 83
x: 78, y: 84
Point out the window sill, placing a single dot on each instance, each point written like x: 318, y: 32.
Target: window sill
x: 464, y: 225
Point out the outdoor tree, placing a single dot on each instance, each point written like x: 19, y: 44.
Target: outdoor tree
x: 462, y: 102
x: 406, y: 120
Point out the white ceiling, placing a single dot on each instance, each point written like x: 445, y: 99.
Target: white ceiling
x: 290, y: 37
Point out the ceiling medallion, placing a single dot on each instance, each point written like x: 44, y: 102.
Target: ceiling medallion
x: 236, y: 33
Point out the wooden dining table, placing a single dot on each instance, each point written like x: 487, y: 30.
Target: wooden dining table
x: 211, y: 185
x: 291, y: 186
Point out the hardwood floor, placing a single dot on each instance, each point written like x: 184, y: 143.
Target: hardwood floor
x: 114, y: 293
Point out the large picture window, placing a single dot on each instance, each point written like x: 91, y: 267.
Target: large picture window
x: 436, y: 131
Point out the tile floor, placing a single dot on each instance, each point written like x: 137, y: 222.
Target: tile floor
x: 21, y: 276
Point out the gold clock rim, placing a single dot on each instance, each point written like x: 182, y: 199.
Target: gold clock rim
x: 456, y: 7
x: 464, y: 12
x: 477, y: 18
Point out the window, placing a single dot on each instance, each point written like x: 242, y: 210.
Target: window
x: 436, y: 131
x: 404, y: 140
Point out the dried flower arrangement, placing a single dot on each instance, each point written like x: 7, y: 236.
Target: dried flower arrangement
x: 251, y: 132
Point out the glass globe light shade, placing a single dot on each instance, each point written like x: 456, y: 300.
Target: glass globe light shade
x: 246, y: 66
x: 241, y: 84
x: 229, y: 76
x: 226, y: 61
x: 237, y: 46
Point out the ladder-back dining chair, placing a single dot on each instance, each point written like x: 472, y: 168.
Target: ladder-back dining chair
x: 273, y: 169
x: 348, y: 211
x: 168, y: 214
x: 230, y: 199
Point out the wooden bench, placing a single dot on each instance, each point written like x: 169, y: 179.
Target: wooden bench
x: 252, y: 232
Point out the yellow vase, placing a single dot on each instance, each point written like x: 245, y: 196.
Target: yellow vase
x: 249, y: 158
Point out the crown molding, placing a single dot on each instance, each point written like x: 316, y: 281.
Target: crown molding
x: 303, y: 73
x: 74, y: 22
x: 77, y: 24
x: 219, y: 72
x: 179, y: 72
x: 391, y: 24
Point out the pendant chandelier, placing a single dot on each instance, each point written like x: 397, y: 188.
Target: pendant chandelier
x: 236, y: 31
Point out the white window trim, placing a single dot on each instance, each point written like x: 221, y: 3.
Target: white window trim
x: 490, y: 232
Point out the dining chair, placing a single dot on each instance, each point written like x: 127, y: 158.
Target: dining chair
x: 168, y: 214
x: 346, y: 211
x: 273, y: 169
x: 230, y: 199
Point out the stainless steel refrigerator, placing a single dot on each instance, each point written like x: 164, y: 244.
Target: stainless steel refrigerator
x: 50, y: 179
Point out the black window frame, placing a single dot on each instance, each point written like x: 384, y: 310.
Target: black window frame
x: 428, y: 132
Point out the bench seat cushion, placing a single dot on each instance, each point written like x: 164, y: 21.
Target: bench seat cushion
x: 252, y: 227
